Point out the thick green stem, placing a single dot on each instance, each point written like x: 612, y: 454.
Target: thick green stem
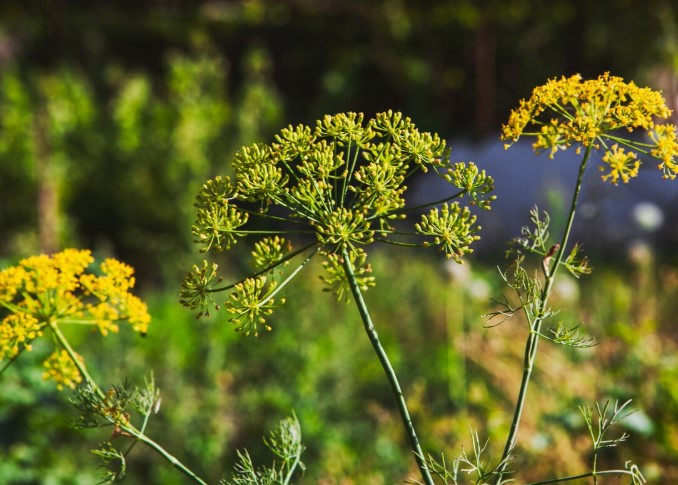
x: 129, y: 428
x: 535, y: 329
x: 388, y: 369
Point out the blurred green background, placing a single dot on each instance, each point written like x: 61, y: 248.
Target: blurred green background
x: 112, y: 114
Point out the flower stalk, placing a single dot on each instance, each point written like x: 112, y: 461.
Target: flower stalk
x: 535, y: 326
x: 590, y: 115
x: 43, y: 293
x: 344, y: 181
x: 388, y: 369
x: 124, y: 425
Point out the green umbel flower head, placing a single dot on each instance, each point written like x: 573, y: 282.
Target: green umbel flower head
x: 340, y: 187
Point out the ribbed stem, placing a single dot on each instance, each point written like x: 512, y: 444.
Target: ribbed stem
x: 388, y: 369
x: 533, y: 338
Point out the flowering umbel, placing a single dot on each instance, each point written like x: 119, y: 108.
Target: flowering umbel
x: 42, y: 293
x: 341, y: 186
x: 598, y: 114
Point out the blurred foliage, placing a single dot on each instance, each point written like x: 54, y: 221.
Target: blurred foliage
x: 343, y: 55
x: 110, y: 112
x: 119, y: 174
x: 221, y: 392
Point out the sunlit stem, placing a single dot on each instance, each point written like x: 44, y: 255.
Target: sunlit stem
x: 129, y: 428
x: 160, y: 450
x: 293, y: 468
x: 9, y: 362
x: 388, y: 369
x: 424, y: 206
x: 265, y: 270
x: 533, y: 338
x: 61, y: 338
x: 633, y: 144
x: 142, y: 430
x: 398, y: 243
x: 289, y: 278
x: 583, y: 475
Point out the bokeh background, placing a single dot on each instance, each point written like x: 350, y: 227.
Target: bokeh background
x: 112, y: 114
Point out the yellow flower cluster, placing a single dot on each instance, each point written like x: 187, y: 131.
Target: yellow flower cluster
x: 17, y: 330
x: 590, y: 113
x: 46, y: 291
x: 665, y: 149
x: 62, y: 370
x: 623, y: 164
x: 113, y: 301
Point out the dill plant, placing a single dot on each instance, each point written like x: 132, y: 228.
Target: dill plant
x: 590, y: 116
x: 40, y: 298
x: 593, y: 115
x: 337, y: 188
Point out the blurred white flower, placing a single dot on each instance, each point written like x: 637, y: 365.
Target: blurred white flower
x: 648, y: 216
x: 460, y: 273
x: 478, y: 289
x: 566, y: 288
x: 640, y: 252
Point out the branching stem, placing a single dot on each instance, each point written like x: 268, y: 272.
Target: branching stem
x: 535, y: 327
x: 427, y: 204
x: 129, y: 428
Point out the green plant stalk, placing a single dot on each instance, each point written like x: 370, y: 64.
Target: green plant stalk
x: 583, y: 475
x: 293, y: 467
x: 533, y: 338
x: 125, y: 427
x: 388, y: 369
x: 9, y: 362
